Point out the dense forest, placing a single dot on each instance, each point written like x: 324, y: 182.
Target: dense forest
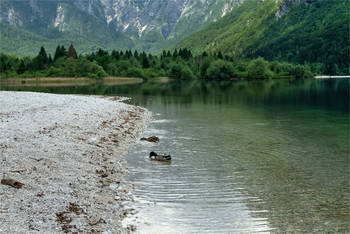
x: 178, y: 64
x: 315, y: 33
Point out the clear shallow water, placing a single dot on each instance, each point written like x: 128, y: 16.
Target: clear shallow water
x: 248, y: 157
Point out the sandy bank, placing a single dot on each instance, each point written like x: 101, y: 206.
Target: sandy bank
x: 71, y: 148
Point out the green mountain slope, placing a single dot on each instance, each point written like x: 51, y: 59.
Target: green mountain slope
x: 196, y: 15
x: 71, y: 26
x: 314, y: 32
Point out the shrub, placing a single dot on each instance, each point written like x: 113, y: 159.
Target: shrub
x: 53, y: 71
x: 220, y: 69
x: 101, y: 74
x: 181, y: 72
x: 258, y: 69
x: 134, y: 72
x: 150, y: 73
x: 205, y: 65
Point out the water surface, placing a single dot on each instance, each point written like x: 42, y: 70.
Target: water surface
x: 248, y: 156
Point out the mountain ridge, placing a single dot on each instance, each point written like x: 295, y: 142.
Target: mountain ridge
x: 148, y: 25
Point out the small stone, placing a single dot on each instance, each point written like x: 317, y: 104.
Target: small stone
x: 113, y: 187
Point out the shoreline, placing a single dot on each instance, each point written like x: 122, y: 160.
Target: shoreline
x: 68, y: 81
x: 331, y: 77
x: 70, y: 149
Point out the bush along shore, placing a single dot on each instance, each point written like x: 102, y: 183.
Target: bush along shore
x: 178, y: 64
x: 65, y: 153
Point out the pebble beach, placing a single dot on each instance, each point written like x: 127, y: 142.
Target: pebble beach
x: 67, y: 151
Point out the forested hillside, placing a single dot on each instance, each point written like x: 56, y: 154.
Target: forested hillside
x: 312, y: 32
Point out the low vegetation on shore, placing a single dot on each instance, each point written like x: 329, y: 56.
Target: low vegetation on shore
x: 178, y: 64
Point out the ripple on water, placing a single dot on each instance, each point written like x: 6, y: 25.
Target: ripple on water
x: 189, y: 195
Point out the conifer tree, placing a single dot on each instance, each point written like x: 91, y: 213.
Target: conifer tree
x: 63, y: 51
x: 38, y: 63
x: 71, y: 52
x: 145, y: 61
x: 43, y: 55
x: 21, y: 68
x: 50, y: 59
x: 175, y: 54
x: 115, y: 55
x: 60, y: 52
x: 163, y: 55
x: 136, y: 55
x: 101, y: 53
x: 57, y: 53
x: 180, y: 53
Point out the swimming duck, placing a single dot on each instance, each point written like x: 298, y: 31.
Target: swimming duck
x: 160, y: 157
x: 150, y: 139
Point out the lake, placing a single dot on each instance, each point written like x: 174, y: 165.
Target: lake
x: 248, y: 156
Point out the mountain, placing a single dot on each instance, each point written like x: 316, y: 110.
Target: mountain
x: 147, y: 25
x: 297, y: 31
x: 28, y: 25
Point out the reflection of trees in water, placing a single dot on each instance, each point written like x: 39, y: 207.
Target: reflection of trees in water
x: 332, y: 94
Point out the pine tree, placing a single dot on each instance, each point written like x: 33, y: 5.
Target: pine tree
x: 57, y: 53
x: 175, y: 54
x: 71, y: 52
x: 145, y: 61
x: 60, y: 52
x: 38, y: 63
x: 50, y: 59
x: 163, y: 55
x: 101, y: 53
x: 180, y: 53
x: 136, y: 55
x: 43, y: 55
x: 115, y: 55
x: 21, y: 68
x: 63, y: 52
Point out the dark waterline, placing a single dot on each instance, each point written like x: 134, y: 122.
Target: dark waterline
x: 249, y: 156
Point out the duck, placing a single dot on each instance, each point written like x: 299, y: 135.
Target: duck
x: 150, y: 139
x: 159, y: 157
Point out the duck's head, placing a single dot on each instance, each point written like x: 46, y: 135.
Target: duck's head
x: 152, y: 154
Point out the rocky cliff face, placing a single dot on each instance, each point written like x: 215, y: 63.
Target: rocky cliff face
x: 146, y: 21
x: 139, y: 18
x: 286, y: 6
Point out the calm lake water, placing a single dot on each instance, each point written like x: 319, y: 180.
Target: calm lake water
x: 248, y: 156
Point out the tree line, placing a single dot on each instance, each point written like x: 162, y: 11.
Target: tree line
x: 178, y: 64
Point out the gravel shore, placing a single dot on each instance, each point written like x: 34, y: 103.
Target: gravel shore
x: 68, y: 151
